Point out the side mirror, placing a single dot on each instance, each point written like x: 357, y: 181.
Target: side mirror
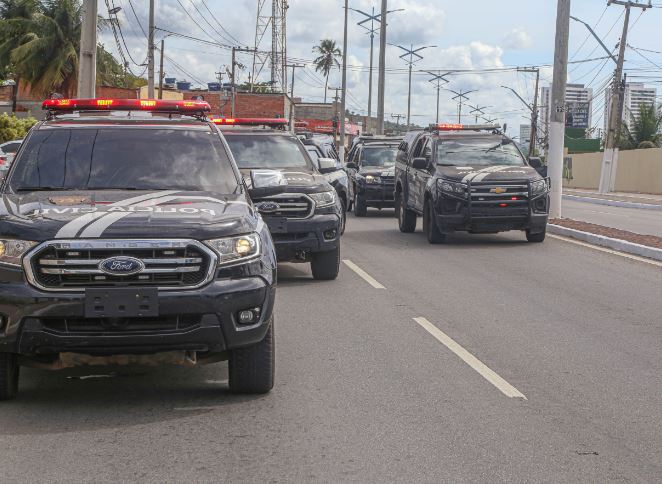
x: 327, y: 165
x: 265, y: 183
x: 535, y: 162
x: 420, y: 163
x: 352, y: 166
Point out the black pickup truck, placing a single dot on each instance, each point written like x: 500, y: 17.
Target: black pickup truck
x: 127, y: 237
x: 468, y: 178
x: 306, y: 216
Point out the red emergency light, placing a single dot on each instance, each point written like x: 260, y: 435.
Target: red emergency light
x: 464, y: 127
x: 271, y: 122
x: 151, y: 105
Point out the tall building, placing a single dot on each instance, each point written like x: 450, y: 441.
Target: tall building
x: 636, y: 95
x: 579, y: 106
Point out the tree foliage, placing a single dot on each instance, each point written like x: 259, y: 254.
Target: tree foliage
x: 643, y: 132
x: 12, y: 128
x: 328, y: 54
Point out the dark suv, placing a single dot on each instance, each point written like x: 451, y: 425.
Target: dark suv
x: 128, y: 237
x: 371, y: 165
x: 472, y: 179
x: 305, y: 216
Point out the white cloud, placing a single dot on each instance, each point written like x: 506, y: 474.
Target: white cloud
x: 517, y: 39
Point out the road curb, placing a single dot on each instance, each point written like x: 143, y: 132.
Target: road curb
x: 601, y: 240
x: 612, y: 203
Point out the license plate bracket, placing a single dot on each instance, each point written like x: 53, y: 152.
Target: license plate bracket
x: 121, y: 303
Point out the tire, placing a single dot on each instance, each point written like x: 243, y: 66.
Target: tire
x: 406, y: 218
x: 251, y: 370
x: 9, y: 372
x: 360, y: 207
x: 536, y: 238
x: 430, y: 226
x: 326, y: 265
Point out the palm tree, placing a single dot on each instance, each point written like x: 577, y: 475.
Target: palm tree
x: 48, y: 56
x: 328, y: 53
x: 644, y: 131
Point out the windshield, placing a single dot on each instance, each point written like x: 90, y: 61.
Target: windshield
x: 485, y: 151
x: 121, y: 158
x: 263, y: 151
x: 379, y: 156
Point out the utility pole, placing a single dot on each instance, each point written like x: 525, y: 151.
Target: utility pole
x: 438, y: 78
x: 87, y: 64
x: 233, y: 74
x: 343, y: 101
x: 533, y: 108
x: 161, y: 73
x: 557, y: 107
x: 294, y: 68
x: 414, y: 57
x: 150, y: 52
x: 336, y: 98
x: 381, y: 88
x: 372, y: 30
x: 478, y: 111
x: 610, y: 154
x: 460, y: 97
x: 398, y: 117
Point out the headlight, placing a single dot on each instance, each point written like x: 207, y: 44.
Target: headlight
x: 373, y: 179
x: 323, y: 199
x: 539, y: 187
x: 236, y: 249
x: 457, y: 189
x: 12, y: 251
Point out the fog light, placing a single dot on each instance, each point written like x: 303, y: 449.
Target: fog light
x: 330, y: 234
x: 248, y: 316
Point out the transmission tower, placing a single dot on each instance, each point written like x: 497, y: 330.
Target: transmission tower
x: 271, y: 17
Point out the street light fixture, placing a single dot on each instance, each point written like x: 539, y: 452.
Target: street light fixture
x: 438, y: 78
x: 460, y: 96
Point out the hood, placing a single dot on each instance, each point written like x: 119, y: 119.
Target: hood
x: 298, y: 180
x: 496, y: 173
x: 377, y: 171
x: 40, y: 216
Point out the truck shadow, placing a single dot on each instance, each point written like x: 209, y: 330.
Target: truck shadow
x: 102, y: 398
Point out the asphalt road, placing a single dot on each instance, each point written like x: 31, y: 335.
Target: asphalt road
x: 365, y: 393
x: 639, y: 221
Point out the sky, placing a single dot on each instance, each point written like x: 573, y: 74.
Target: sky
x: 470, y: 36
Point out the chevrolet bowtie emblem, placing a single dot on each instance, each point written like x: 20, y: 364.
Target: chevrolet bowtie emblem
x: 498, y: 191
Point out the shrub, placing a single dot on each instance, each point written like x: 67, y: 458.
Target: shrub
x: 12, y: 127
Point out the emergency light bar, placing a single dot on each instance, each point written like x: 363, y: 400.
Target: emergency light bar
x: 464, y: 127
x: 151, y: 105
x: 271, y: 122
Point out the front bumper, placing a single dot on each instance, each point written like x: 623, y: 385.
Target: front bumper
x: 454, y: 215
x: 45, y: 323
x: 378, y: 195
x: 297, y: 239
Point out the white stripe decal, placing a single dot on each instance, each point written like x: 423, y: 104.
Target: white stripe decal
x: 474, y: 174
x: 70, y: 230
x: 484, y: 175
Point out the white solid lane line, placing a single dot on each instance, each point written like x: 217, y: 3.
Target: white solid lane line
x: 606, y: 250
x: 363, y: 274
x: 506, y: 388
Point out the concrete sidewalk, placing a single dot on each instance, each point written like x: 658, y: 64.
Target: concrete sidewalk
x: 619, y: 199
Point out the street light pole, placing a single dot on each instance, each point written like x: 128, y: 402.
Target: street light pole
x: 460, y: 96
x: 150, y: 52
x: 438, y: 78
x: 343, y: 101
x: 382, y: 70
x: 414, y: 57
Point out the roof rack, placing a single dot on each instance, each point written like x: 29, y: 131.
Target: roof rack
x: 191, y: 108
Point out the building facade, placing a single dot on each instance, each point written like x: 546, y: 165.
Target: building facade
x: 636, y: 96
x: 579, y: 106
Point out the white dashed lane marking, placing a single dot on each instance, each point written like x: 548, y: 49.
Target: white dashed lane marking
x: 364, y: 275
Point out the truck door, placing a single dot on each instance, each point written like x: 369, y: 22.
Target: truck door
x: 412, y: 174
x: 423, y: 175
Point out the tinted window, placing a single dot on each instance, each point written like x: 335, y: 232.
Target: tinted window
x: 313, y: 152
x: 271, y: 152
x: 120, y: 158
x: 485, y: 151
x: 378, y: 156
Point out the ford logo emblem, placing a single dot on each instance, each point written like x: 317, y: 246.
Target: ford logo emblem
x: 267, y: 207
x: 121, y: 266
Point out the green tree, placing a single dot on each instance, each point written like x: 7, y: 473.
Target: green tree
x: 111, y: 73
x: 327, y: 60
x: 642, y: 132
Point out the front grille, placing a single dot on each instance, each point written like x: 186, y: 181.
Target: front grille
x: 507, y: 199
x: 121, y: 325
x: 290, y: 205
x: 76, y: 264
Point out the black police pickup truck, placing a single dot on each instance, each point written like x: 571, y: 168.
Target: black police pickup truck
x: 468, y: 178
x: 371, y: 168
x: 305, y: 216
x: 127, y: 237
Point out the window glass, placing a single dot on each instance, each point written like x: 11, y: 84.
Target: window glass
x: 484, y: 151
x: 265, y: 151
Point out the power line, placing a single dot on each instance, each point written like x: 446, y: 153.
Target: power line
x: 204, y: 3
x: 137, y: 19
x: 210, y: 25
